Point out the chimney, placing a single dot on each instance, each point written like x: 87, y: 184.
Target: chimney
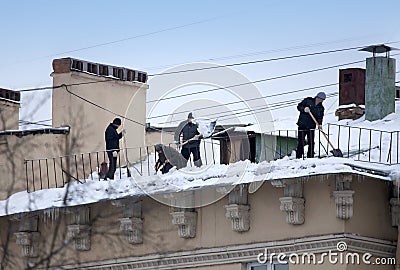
x: 9, y: 109
x: 380, y: 83
x: 351, y: 93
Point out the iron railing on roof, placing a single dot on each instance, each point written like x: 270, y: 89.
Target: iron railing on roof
x: 358, y: 143
x: 362, y: 144
x: 366, y: 144
x: 44, y: 173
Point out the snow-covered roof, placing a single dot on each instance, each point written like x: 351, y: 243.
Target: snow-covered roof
x: 288, y: 119
x: 9, y: 100
x: 390, y: 123
x: 353, y: 105
x: 189, y: 178
x: 21, y: 133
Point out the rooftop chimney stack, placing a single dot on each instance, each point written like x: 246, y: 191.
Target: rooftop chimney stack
x: 379, y: 83
x: 9, y: 109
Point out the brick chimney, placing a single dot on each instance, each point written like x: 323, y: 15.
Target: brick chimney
x: 351, y: 93
x: 9, y: 109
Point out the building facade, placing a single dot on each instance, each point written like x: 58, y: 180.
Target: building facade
x: 310, y: 215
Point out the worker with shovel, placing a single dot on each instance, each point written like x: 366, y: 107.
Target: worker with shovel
x: 191, y: 139
x: 310, y: 106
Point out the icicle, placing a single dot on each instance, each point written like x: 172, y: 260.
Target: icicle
x: 50, y: 214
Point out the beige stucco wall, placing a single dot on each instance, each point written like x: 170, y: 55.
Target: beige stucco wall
x: 156, y: 137
x: 9, y: 115
x: 88, y: 121
x: 15, y: 150
x: 214, y: 229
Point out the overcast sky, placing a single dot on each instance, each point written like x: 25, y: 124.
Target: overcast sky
x: 161, y: 34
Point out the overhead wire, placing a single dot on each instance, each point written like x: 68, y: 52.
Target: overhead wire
x: 256, y: 61
x: 246, y: 100
x: 166, y: 98
x: 257, y: 81
x: 198, y: 92
x: 262, y: 52
x: 282, y: 105
x: 250, y: 111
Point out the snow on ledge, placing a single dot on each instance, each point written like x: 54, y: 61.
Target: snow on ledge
x: 188, y: 178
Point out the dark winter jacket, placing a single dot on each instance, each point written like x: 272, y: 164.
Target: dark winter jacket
x: 112, y: 137
x: 305, y: 121
x: 168, y: 153
x: 188, y: 130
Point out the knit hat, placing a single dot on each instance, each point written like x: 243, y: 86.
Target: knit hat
x: 117, y: 121
x: 190, y: 116
x: 321, y: 95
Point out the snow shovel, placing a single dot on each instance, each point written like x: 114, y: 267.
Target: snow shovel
x: 205, y: 129
x: 336, y: 152
x: 126, y: 157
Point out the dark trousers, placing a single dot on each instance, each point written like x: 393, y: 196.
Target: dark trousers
x: 302, y: 134
x: 195, y: 150
x: 113, y: 165
x: 166, y: 167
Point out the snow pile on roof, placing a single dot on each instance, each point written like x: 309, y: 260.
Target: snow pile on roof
x: 188, y: 178
x: 353, y: 105
x: 381, y: 147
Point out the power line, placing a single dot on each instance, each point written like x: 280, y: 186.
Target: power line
x: 249, y: 111
x: 257, y: 81
x: 283, y: 105
x: 272, y: 107
x: 251, y: 99
x: 62, y: 85
x: 258, y: 61
x: 199, y: 92
x: 101, y: 107
x: 261, y: 52
x: 38, y: 123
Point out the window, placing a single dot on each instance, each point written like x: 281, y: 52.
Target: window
x: 267, y: 266
x: 347, y: 77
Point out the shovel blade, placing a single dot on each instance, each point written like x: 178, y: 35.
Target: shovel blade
x: 337, y: 153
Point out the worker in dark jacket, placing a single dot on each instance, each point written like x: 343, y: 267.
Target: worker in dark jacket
x: 112, y: 145
x: 168, y: 157
x: 306, y: 125
x: 162, y: 161
x: 190, y: 139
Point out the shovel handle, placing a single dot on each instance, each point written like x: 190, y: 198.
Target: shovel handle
x: 196, y: 137
x: 316, y: 122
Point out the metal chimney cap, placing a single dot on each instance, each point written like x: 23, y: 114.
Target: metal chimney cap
x: 381, y: 48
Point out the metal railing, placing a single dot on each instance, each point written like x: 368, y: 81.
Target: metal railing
x: 44, y: 173
x: 363, y: 144
x: 358, y: 143
x: 366, y: 144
